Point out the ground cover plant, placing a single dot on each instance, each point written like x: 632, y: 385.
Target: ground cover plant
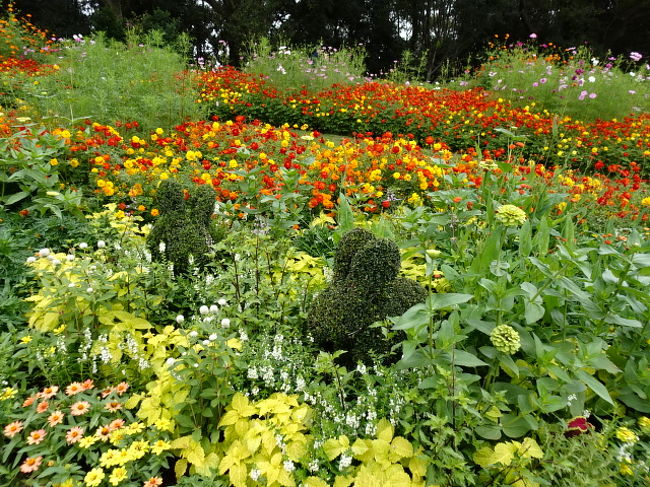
x: 228, y: 296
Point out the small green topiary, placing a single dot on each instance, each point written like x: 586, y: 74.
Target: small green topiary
x: 365, y: 289
x: 185, y: 226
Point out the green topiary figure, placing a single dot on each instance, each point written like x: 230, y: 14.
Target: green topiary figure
x: 184, y: 230
x: 365, y: 288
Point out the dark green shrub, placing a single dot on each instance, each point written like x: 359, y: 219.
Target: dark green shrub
x: 184, y: 233
x: 365, y: 289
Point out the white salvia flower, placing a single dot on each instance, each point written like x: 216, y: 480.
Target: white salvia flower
x: 180, y: 319
x: 204, y: 310
x: 225, y: 323
x: 44, y: 252
x: 31, y: 260
x: 222, y: 302
x: 214, y: 309
x: 255, y: 474
x: 243, y: 336
x: 345, y: 462
x: 83, y: 245
x: 161, y: 247
x: 289, y: 466
x: 101, y: 244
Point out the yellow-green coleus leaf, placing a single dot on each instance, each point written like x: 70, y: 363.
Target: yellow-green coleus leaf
x: 502, y: 453
x: 530, y: 449
x: 335, y: 446
x: 240, y: 407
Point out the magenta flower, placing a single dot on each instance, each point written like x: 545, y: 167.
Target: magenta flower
x: 635, y: 56
x: 533, y: 36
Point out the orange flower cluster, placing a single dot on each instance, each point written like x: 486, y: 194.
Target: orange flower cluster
x: 18, y: 36
x: 463, y: 119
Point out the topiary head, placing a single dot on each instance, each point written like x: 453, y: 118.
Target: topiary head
x: 376, y: 264
x: 351, y: 243
x: 169, y: 197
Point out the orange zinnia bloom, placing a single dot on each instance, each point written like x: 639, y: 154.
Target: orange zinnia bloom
x: 55, y: 418
x: 31, y: 464
x: 35, y: 437
x: 74, y: 434
x: 79, y: 408
x: 12, y: 429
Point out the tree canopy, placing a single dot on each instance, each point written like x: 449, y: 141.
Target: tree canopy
x: 433, y: 31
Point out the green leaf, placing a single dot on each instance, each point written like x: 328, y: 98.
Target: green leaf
x: 414, y: 316
x: 14, y: 198
x: 533, y: 312
x: 492, y: 432
x: 344, y: 215
x: 446, y: 300
x: 466, y: 359
x: 619, y: 320
x: 514, y: 426
x: 595, y: 385
x: 525, y: 239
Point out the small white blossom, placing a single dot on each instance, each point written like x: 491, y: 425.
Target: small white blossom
x: 222, y: 302
x: 225, y: 323
x: 101, y: 244
x: 193, y: 334
x: 180, y: 319
x: 204, y: 310
x: 69, y: 257
x: 345, y: 462
x: 212, y: 337
x: 162, y: 247
x: 83, y: 245
x: 44, y: 252
x: 89, y: 290
x: 255, y: 474
x: 289, y: 466
x: 31, y: 260
x: 214, y: 309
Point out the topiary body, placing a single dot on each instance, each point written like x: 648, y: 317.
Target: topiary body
x: 185, y: 226
x: 365, y: 288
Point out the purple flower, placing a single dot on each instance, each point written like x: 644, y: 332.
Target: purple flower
x: 535, y: 84
x: 583, y: 95
x: 592, y: 95
x: 635, y: 56
x: 631, y: 92
x: 543, y: 80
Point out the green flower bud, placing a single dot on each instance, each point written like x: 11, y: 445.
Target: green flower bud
x: 505, y: 339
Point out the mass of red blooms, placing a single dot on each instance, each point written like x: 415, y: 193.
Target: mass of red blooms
x: 462, y: 119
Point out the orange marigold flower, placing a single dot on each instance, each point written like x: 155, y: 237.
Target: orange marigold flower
x: 12, y: 429
x: 74, y: 388
x: 42, y: 407
x: 74, y: 434
x: 31, y: 464
x: 35, y: 437
x: 55, y: 418
x: 79, y: 408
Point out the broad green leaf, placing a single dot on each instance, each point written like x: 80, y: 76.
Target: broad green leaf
x: 466, y: 359
x: 446, y: 300
x: 492, y: 432
x: 594, y: 384
x: 533, y: 312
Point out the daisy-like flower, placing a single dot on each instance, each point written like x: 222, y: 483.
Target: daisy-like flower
x: 113, y: 406
x: 121, y: 388
x: 55, y: 418
x: 79, y: 408
x: 31, y: 464
x: 94, y: 477
x: 35, y: 437
x: 12, y: 429
x: 88, y: 384
x: 74, y: 388
x: 116, y: 424
x: 117, y: 475
x: 30, y: 400
x: 49, y: 392
x: 153, y: 482
x: 106, y: 392
x: 160, y: 446
x: 74, y: 434
x: 103, y: 432
x: 42, y: 407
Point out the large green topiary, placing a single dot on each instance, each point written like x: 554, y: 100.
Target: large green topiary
x: 185, y: 226
x: 365, y: 289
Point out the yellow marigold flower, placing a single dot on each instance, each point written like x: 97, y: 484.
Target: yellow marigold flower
x: 626, y: 435
x: 26, y: 339
x: 164, y: 425
x: 510, y: 215
x: 646, y: 201
x: 54, y: 162
x: 117, y: 475
x: 644, y: 424
x: 8, y: 393
x: 155, y: 212
x: 625, y: 469
x: 160, y: 446
x: 88, y: 441
x: 94, y: 477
